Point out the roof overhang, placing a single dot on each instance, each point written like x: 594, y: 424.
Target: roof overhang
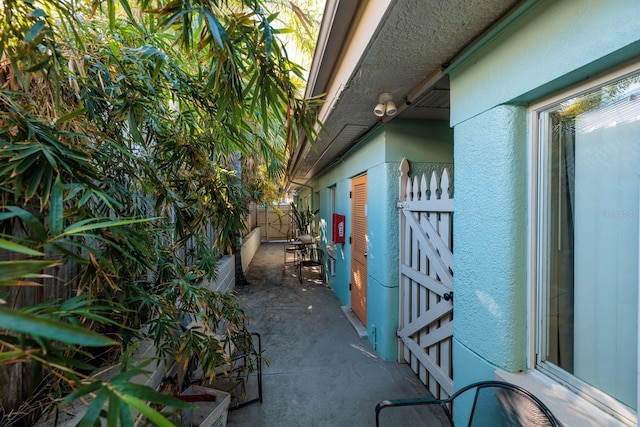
x: 402, y: 47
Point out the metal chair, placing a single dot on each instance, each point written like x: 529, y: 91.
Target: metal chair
x: 311, y: 257
x: 488, y: 403
x: 291, y: 248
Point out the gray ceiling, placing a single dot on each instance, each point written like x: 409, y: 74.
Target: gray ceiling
x: 415, y: 41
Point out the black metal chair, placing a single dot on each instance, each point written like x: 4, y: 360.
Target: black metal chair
x: 311, y: 257
x: 488, y: 403
x: 292, y: 248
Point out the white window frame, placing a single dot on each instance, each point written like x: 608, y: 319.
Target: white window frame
x: 536, y: 249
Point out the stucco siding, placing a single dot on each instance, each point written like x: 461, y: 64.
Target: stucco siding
x: 367, y: 154
x: 490, y: 236
x: 419, y: 141
x: 382, y: 259
x: 555, y: 44
x: 382, y: 324
x: 429, y: 145
x: 382, y: 226
x: 340, y: 282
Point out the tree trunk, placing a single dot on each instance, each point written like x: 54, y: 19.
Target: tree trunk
x: 241, y: 280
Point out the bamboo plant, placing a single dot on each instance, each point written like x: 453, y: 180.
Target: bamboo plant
x: 117, y: 123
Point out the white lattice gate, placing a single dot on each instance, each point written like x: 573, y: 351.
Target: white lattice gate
x: 426, y: 279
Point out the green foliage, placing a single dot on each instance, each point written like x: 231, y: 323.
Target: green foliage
x: 303, y: 219
x: 120, y: 129
x: 40, y: 326
x: 122, y: 396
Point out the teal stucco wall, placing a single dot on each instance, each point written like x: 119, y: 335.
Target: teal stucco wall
x: 553, y: 45
x: 490, y: 236
x: 429, y: 146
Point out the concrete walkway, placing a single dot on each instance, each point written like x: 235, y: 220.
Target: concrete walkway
x: 321, y: 373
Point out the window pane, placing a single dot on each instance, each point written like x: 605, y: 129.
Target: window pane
x: 591, y: 274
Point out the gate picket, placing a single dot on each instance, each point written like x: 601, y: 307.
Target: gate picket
x: 426, y: 276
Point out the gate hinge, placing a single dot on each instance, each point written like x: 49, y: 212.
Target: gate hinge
x: 349, y: 239
x: 349, y: 286
x: 350, y: 194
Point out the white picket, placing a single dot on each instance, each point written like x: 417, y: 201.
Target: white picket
x: 426, y: 274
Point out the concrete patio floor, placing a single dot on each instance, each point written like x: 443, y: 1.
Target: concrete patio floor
x: 320, y: 373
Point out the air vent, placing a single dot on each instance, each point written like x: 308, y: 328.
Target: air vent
x: 435, y: 98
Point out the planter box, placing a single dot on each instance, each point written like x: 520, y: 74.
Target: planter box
x: 207, y: 414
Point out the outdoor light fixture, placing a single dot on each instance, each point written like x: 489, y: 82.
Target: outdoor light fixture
x: 385, y: 105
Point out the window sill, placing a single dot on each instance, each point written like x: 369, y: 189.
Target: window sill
x: 569, y: 408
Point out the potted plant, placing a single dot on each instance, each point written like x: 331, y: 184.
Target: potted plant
x: 304, y: 221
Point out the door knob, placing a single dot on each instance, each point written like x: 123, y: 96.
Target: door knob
x: 448, y: 296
